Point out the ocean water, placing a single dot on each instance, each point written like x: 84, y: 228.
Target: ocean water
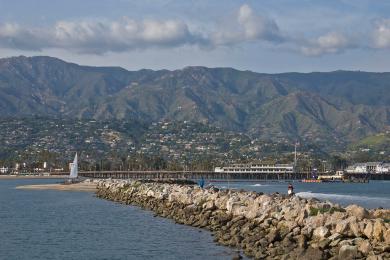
x: 374, y: 194
x: 38, y: 224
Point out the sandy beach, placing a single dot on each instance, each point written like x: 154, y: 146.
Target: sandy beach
x: 83, y: 186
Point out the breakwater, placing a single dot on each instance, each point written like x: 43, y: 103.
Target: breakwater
x: 263, y: 226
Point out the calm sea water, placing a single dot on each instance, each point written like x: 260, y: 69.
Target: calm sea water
x: 76, y: 225
x: 370, y: 195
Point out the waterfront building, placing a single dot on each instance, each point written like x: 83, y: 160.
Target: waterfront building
x: 256, y: 168
x: 369, y: 167
x: 3, y: 170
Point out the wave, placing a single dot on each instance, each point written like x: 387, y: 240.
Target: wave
x: 257, y: 185
x: 343, y: 197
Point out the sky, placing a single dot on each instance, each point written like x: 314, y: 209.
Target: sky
x: 265, y: 35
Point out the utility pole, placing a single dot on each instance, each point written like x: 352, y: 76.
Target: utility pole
x: 295, y: 157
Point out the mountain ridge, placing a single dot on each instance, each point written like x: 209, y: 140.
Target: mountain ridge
x: 339, y: 106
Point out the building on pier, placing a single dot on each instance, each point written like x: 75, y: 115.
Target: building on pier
x: 256, y: 168
x: 369, y: 167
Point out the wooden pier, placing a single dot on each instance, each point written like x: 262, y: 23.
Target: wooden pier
x: 210, y: 175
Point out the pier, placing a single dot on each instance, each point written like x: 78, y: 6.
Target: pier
x: 211, y: 175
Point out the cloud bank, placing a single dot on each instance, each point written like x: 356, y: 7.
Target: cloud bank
x: 127, y: 34
x: 99, y: 37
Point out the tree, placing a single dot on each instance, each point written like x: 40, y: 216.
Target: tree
x: 338, y: 163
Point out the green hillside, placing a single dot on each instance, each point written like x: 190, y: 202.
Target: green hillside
x: 333, y: 108
x: 376, y: 142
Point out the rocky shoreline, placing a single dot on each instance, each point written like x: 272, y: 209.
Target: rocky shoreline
x: 263, y: 226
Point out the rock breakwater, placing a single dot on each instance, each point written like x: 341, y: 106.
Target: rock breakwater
x: 263, y: 226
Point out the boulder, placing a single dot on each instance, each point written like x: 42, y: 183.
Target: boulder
x: 357, y: 211
x: 364, y: 247
x: 323, y: 244
x: 368, y: 229
x: 342, y: 227
x: 348, y: 252
x: 252, y: 212
x: 316, y: 221
x: 355, y: 228
x: 301, y: 217
x: 292, y: 214
x: 296, y: 231
x: 230, y: 202
x: 335, y: 242
x: 335, y: 236
x: 273, y: 235
x: 387, y: 236
x: 321, y: 233
x: 381, y: 213
x: 379, y: 229
x: 209, y: 205
x: 302, y: 241
x: 313, y: 254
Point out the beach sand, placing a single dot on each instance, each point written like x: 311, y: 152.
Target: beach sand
x: 82, y: 186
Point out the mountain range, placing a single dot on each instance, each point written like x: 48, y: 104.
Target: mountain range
x: 339, y: 106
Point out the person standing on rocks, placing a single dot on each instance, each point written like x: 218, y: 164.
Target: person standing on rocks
x: 290, y: 190
x: 201, y: 182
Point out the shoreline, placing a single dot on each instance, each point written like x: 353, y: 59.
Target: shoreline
x: 263, y: 226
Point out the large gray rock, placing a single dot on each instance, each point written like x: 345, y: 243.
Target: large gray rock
x: 348, y: 252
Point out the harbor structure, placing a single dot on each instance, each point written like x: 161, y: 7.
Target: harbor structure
x: 369, y: 167
x: 257, y: 168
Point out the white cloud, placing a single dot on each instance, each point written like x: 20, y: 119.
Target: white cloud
x: 251, y: 27
x: 332, y: 42
x: 128, y: 34
x: 381, y: 35
x: 104, y: 36
x: 14, y: 36
x: 99, y: 36
x: 121, y: 36
x: 255, y: 26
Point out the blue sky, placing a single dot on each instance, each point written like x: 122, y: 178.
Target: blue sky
x: 264, y: 36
